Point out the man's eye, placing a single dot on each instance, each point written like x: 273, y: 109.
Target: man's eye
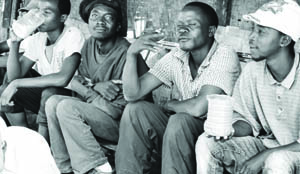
x: 109, y: 18
x: 260, y: 31
x: 94, y: 16
x: 192, y: 24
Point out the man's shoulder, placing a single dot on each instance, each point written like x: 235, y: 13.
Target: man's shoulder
x: 122, y: 43
x: 226, y: 50
x: 71, y: 32
x: 72, y: 29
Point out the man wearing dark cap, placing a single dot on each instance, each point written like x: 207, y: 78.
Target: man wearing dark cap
x: 75, y: 124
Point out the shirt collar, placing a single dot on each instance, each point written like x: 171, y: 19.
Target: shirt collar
x: 184, y: 55
x: 290, y: 78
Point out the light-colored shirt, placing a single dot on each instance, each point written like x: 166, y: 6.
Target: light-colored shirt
x: 272, y: 108
x: 27, y: 152
x: 220, y: 68
x: 70, y: 41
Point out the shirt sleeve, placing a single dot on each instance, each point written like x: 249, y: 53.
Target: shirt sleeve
x: 244, y: 100
x: 223, y: 71
x: 33, y: 46
x: 163, y: 69
x: 75, y: 41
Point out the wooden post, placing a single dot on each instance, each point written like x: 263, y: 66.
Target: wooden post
x: 7, y: 13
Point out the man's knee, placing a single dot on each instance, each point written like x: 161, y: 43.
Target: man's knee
x: 133, y: 112
x: 51, y: 104
x: 204, y: 145
x: 279, y: 162
x: 66, y: 107
x: 176, y: 125
x: 48, y: 92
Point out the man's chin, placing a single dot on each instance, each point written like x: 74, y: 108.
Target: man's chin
x: 258, y: 58
x: 41, y: 29
x: 101, y: 37
x: 184, y: 47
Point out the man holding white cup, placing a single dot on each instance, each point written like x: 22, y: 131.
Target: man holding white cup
x: 266, y: 119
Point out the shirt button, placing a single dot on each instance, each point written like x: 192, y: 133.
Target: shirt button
x: 278, y: 98
x: 279, y: 111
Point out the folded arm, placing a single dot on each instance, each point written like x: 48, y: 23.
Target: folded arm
x: 59, y: 79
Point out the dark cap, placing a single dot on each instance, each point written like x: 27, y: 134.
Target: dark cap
x: 86, y: 6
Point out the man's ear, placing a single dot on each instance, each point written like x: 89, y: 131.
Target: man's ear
x: 211, y: 31
x: 118, y: 28
x: 285, y: 40
x: 63, y: 17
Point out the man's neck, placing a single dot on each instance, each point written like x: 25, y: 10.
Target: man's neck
x: 280, y: 64
x: 104, y: 46
x: 199, y: 55
x: 54, y: 35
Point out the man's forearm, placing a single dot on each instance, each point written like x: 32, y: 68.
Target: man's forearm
x: 294, y: 147
x: 13, y: 64
x: 130, y: 78
x: 196, y: 108
x: 78, y: 88
x: 54, y: 80
x: 186, y: 106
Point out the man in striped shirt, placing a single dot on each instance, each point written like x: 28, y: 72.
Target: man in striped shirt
x: 267, y: 108
x: 198, y: 68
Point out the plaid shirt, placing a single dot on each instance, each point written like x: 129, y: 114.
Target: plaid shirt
x: 272, y: 108
x: 220, y: 68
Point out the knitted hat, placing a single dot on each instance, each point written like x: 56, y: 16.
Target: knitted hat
x: 281, y: 15
x: 120, y: 6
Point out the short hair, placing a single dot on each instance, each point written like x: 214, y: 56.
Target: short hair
x: 64, y: 6
x: 209, y: 12
x: 291, y: 47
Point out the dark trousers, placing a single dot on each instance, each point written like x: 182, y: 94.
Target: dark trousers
x: 34, y: 99
x: 145, y: 131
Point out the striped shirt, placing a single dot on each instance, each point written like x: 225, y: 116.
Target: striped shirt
x: 220, y: 68
x: 272, y: 108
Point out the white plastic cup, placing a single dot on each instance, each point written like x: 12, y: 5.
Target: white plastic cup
x: 219, y: 115
x: 28, y: 23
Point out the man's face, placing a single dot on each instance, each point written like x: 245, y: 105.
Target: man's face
x: 192, y: 29
x: 103, y: 22
x: 264, y: 42
x: 52, y: 15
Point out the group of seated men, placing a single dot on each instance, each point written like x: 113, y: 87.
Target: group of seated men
x: 108, y: 99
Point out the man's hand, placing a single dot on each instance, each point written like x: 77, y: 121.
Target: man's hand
x: 79, y: 79
x: 8, y: 93
x: 221, y: 138
x: 253, y: 165
x: 109, y: 90
x: 164, y: 104
x: 13, y: 37
x: 146, y: 42
x: 90, y: 96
